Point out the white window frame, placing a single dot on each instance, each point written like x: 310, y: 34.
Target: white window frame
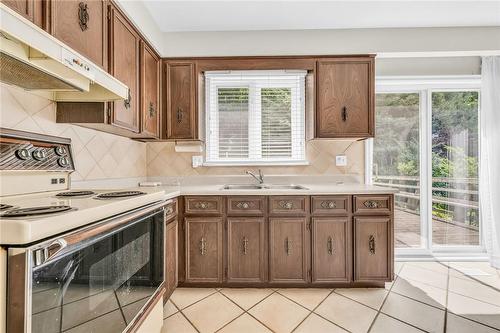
x: 425, y: 86
x: 254, y: 123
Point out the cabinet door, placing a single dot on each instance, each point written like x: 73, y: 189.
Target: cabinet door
x: 345, y: 98
x: 124, y: 65
x: 373, y: 249
x: 181, y: 100
x: 171, y: 277
x: 30, y: 9
x: 203, y: 249
x: 289, y: 250
x: 246, y: 243
x: 331, y: 249
x: 150, y: 92
x: 82, y: 26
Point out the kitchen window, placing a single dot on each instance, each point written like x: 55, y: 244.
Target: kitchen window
x: 255, y: 117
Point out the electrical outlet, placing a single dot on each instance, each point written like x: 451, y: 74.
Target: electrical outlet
x: 197, y: 161
x: 340, y: 160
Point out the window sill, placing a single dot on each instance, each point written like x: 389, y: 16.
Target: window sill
x: 255, y: 163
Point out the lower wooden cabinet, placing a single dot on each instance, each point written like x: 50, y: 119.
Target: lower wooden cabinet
x: 203, y: 246
x: 288, y: 250
x: 373, y: 249
x: 171, y: 255
x: 331, y: 249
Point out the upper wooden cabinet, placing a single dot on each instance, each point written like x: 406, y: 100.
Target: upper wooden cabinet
x: 124, y: 65
x: 150, y: 91
x: 82, y: 26
x: 33, y: 10
x: 180, y: 100
x: 345, y: 98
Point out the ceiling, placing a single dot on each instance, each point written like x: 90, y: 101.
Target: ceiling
x: 175, y: 16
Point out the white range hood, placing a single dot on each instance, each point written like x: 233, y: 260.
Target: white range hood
x: 34, y: 60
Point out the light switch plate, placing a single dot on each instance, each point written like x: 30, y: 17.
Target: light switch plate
x: 340, y: 160
x: 197, y: 161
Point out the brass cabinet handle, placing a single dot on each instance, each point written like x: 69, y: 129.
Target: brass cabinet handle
x: 371, y: 204
x: 344, y: 114
x: 202, y: 205
x: 329, y: 245
x: 179, y: 115
x: 288, y: 246
x: 128, y: 101
x: 371, y: 244
x: 328, y: 204
x: 83, y: 16
x: 203, y: 246
x: 245, y: 245
x: 286, y: 204
x: 152, y: 111
x: 243, y: 205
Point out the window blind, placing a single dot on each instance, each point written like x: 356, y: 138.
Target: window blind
x: 255, y: 116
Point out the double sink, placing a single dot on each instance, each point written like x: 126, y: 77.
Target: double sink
x: 263, y: 187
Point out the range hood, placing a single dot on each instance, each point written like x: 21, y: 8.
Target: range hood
x: 32, y: 59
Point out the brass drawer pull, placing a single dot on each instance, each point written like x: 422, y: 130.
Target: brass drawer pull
x: 152, y: 111
x: 371, y: 244
x: 328, y: 204
x: 243, y: 205
x: 288, y: 246
x: 128, y: 102
x: 344, y: 114
x: 371, y: 204
x: 201, y: 205
x: 286, y: 204
x: 203, y: 246
x: 179, y: 115
x: 329, y: 245
x: 245, y: 245
x: 83, y: 16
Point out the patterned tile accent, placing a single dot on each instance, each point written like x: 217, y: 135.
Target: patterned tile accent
x: 97, y: 154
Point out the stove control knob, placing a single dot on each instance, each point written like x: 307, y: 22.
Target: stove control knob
x: 39, y: 155
x: 61, y: 151
x: 22, y: 154
x: 63, y: 162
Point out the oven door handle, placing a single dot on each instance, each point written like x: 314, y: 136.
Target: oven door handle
x: 79, y: 239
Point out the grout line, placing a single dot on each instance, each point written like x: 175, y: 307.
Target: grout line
x: 288, y: 298
x: 175, y: 306
x: 356, y: 301
x: 187, y: 306
x: 475, y: 321
x: 189, y: 321
x: 120, y: 307
x: 383, y: 302
x: 229, y: 322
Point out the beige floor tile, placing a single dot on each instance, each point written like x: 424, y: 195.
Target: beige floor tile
x: 397, y: 266
x: 246, y: 297
x: 279, y: 313
x: 435, y: 266
x: 111, y: 322
x: 211, y: 313
x: 473, y: 289
x: 307, y: 297
x: 244, y: 324
x: 88, y: 308
x: 372, y: 297
x: 177, y: 324
x: 131, y: 310
x: 316, y: 324
x: 386, y: 324
x: 183, y: 297
x: 169, y: 309
x: 474, y: 309
x: 459, y: 268
x: 421, y: 292
x: 418, y: 314
x: 456, y: 324
x: 427, y: 276
x: 346, y: 313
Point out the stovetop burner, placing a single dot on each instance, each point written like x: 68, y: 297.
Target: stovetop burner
x: 75, y: 194
x: 119, y: 194
x: 5, y: 206
x: 34, y: 211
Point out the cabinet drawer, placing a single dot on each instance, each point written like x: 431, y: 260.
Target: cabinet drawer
x: 204, y: 205
x: 171, y: 210
x: 331, y: 205
x: 288, y: 205
x: 373, y: 204
x: 245, y: 206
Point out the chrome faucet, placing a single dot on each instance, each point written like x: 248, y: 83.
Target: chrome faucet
x: 259, y: 178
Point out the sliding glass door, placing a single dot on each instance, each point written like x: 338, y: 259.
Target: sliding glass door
x: 427, y: 146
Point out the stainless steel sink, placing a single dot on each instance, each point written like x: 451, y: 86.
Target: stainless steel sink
x: 263, y: 187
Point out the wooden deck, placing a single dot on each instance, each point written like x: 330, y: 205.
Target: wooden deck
x: 407, y: 231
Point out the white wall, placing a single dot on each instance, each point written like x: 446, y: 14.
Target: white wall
x: 428, y: 66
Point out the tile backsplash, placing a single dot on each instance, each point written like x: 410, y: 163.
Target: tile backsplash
x: 162, y: 160
x: 97, y: 155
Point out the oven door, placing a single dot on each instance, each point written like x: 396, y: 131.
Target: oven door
x: 94, y: 280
